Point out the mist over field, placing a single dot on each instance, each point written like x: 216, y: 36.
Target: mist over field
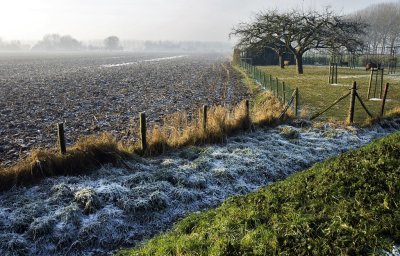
x: 156, y: 25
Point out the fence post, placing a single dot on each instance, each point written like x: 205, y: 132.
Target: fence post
x: 247, y: 104
x: 270, y: 84
x: 384, y: 98
x: 352, y: 102
x: 336, y: 73
x: 142, y: 117
x: 370, y: 83
x: 264, y: 81
x: 330, y: 73
x: 61, y: 138
x: 296, y: 101
x: 204, y: 117
x: 380, y: 96
x: 277, y: 86
x: 283, y: 92
x: 247, y: 122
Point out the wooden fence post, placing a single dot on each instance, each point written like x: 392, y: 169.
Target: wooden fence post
x: 142, y: 117
x: 247, y: 104
x: 370, y: 83
x: 264, y: 81
x: 336, y: 73
x: 381, y: 93
x: 283, y: 92
x: 247, y: 122
x: 61, y: 138
x: 270, y: 84
x: 330, y: 73
x: 352, y: 102
x: 384, y: 98
x: 205, y: 117
x: 296, y: 101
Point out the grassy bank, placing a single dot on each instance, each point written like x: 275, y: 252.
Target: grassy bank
x: 176, y: 131
x: 316, y: 93
x: 348, y: 205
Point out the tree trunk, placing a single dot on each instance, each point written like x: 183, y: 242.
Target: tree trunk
x: 299, y: 63
x: 281, y: 61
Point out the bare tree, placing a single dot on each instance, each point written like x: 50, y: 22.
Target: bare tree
x: 252, y: 38
x: 298, y: 32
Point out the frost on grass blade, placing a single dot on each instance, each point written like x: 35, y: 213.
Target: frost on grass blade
x: 115, y: 207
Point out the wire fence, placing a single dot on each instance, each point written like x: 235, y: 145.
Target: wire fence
x: 288, y: 95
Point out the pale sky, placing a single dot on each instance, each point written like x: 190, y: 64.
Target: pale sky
x: 204, y: 20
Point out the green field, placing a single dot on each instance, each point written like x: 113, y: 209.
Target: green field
x: 316, y: 93
x: 348, y: 205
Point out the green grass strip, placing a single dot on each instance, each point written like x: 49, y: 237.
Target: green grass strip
x: 347, y: 205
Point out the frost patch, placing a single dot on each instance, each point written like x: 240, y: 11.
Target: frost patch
x: 115, y: 207
x: 87, y: 200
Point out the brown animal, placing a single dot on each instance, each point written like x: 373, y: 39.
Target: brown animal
x: 372, y: 65
x: 286, y: 62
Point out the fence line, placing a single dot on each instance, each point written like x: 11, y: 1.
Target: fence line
x: 353, y: 96
x: 278, y: 88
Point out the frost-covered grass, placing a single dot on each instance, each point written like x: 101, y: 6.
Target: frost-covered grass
x: 113, y: 207
x: 347, y: 205
x: 316, y: 94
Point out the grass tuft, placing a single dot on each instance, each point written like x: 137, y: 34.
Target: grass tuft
x: 88, y: 153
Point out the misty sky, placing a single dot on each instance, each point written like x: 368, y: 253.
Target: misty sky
x: 205, y: 20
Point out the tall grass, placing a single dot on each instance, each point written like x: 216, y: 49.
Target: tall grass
x: 88, y: 153
x: 177, y: 130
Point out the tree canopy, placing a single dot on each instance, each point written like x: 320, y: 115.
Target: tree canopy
x: 112, y: 43
x: 55, y: 42
x: 297, y: 32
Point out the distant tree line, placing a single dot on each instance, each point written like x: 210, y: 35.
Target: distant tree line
x: 383, y: 30
x: 56, y: 42
x: 11, y: 46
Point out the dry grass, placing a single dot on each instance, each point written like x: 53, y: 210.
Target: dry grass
x: 88, y: 153
x: 394, y: 112
x: 267, y: 109
x: 177, y: 131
